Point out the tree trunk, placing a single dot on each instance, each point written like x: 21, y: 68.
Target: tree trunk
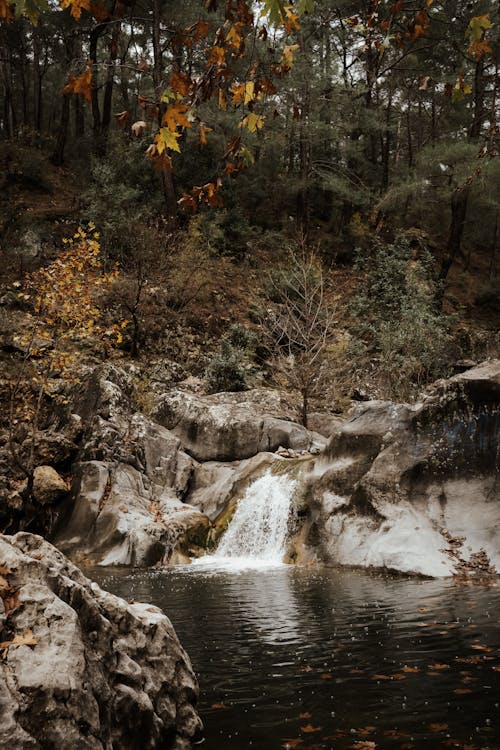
x: 166, y: 175
x: 57, y: 157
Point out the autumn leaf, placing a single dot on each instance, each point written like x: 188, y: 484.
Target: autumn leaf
x: 217, y: 56
x: 76, y: 6
x: 439, y: 666
x: 253, y: 122
x: 309, y: 728
x: 217, y: 706
x: 122, y: 118
x: 167, y: 139
x: 27, y: 639
x: 234, y: 35
x: 175, y: 116
x: 287, y: 58
x: 82, y: 84
x: 462, y: 691
x: 438, y: 727
x: 180, y: 83
x: 410, y: 670
x: 202, y: 133
x: 138, y: 128
x: 243, y: 92
x: 305, y: 715
x: 364, y: 745
x: 477, y: 26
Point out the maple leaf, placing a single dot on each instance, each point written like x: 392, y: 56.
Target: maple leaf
x: 234, y: 35
x: 202, y: 133
x: 82, y: 84
x: 180, y: 83
x: 287, y: 59
x: 292, y: 19
x: 253, y: 122
x: 477, y: 26
x: 138, y: 127
x: 217, y: 56
x: 167, y: 139
x: 243, y: 92
x: 27, y: 639
x: 175, y: 116
x: 7, y: 10
x: 76, y: 6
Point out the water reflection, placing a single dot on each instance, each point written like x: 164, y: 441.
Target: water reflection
x: 334, y: 658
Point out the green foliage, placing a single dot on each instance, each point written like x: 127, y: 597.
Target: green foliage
x: 222, y: 232
x: 124, y: 193
x: 396, y: 318
x: 228, y: 368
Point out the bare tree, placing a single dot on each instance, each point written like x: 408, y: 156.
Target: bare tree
x: 300, y: 326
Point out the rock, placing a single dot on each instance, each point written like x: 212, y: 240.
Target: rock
x: 100, y: 673
x: 117, y: 518
x: 230, y: 426
x: 324, y: 424
x: 48, y: 486
x: 129, y: 483
x: 395, y: 478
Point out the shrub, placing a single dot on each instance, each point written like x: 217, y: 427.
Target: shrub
x: 396, y: 317
x: 226, y: 370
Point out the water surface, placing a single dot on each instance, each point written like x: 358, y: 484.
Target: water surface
x: 322, y: 659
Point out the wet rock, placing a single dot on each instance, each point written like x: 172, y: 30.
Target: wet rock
x: 95, y: 672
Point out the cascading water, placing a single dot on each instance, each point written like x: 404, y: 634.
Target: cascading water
x: 256, y: 536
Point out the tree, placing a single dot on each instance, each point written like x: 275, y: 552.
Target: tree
x: 299, y: 328
x: 64, y: 308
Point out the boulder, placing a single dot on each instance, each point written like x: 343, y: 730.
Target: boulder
x: 117, y: 518
x: 413, y: 488
x: 231, y: 426
x: 129, y: 483
x: 89, y: 671
x: 48, y: 486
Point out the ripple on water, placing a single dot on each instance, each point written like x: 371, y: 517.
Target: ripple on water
x: 325, y: 659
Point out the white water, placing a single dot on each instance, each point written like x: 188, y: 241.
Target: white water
x: 256, y: 536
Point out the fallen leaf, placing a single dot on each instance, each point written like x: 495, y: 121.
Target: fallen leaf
x: 305, y: 715
x: 410, y: 669
x: 462, y: 691
x: 310, y: 728
x: 364, y: 745
x: 27, y: 639
x: 217, y: 705
x: 438, y: 727
x: 480, y: 647
x: 439, y: 666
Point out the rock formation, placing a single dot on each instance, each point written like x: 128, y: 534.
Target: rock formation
x: 81, y: 668
x: 413, y: 488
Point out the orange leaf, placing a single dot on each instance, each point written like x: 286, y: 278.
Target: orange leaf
x: 82, y: 84
x: 202, y: 133
x: 438, y: 727
x: 309, y: 728
x: 27, y: 639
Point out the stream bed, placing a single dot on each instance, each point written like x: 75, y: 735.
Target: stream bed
x: 327, y: 659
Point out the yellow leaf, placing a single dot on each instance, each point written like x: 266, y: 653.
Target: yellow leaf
x: 167, y: 139
x: 175, y: 116
x: 243, y: 92
x: 287, y: 58
x: 253, y: 122
x: 28, y: 639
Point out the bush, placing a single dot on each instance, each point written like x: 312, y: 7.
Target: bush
x: 229, y: 367
x: 396, y: 317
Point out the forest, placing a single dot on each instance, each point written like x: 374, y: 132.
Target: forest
x: 301, y: 195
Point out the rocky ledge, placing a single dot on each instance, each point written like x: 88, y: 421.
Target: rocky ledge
x: 81, y: 668
x: 412, y: 488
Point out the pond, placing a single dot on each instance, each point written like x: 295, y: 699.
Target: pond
x: 328, y: 659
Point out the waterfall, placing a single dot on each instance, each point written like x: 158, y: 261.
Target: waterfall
x: 256, y: 536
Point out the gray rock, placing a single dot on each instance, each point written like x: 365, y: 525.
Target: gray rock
x: 101, y: 673
x: 230, y: 426
x: 395, y: 478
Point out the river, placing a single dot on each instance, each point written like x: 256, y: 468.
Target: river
x: 327, y: 659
